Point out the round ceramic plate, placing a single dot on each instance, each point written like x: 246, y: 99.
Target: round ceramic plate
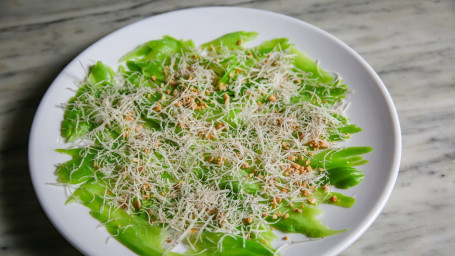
x: 371, y: 108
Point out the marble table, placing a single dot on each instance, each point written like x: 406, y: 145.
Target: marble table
x: 411, y: 44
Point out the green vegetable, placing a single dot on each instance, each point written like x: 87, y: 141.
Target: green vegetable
x: 133, y: 231
x: 231, y: 40
x: 141, y: 120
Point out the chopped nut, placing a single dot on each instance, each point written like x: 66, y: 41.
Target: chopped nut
x: 298, y: 210
x: 157, y: 108
x: 219, y: 160
x: 248, y: 220
x: 323, y: 144
x: 334, y: 199
x: 193, y: 231
x: 291, y: 158
x: 286, y: 215
x: 311, y: 200
x: 226, y: 99
x: 278, y: 199
x: 137, y: 205
x: 245, y: 166
x: 306, y: 193
x: 272, y: 98
x: 239, y: 42
x: 301, y: 158
x: 307, y: 162
x: 259, y: 103
x: 222, y: 86
x: 219, y: 126
x: 274, y: 216
x: 296, y: 166
x: 265, y: 215
x: 203, y: 104
x: 210, y: 136
x: 153, y: 78
x: 149, y: 96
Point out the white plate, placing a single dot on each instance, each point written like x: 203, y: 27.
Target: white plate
x: 371, y: 108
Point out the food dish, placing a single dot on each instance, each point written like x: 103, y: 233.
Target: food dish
x: 112, y: 53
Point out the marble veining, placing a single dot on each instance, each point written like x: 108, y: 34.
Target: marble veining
x: 410, y: 43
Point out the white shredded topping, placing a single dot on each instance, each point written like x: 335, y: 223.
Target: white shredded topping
x: 176, y: 151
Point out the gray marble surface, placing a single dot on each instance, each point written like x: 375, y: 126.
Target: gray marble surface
x: 411, y: 44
